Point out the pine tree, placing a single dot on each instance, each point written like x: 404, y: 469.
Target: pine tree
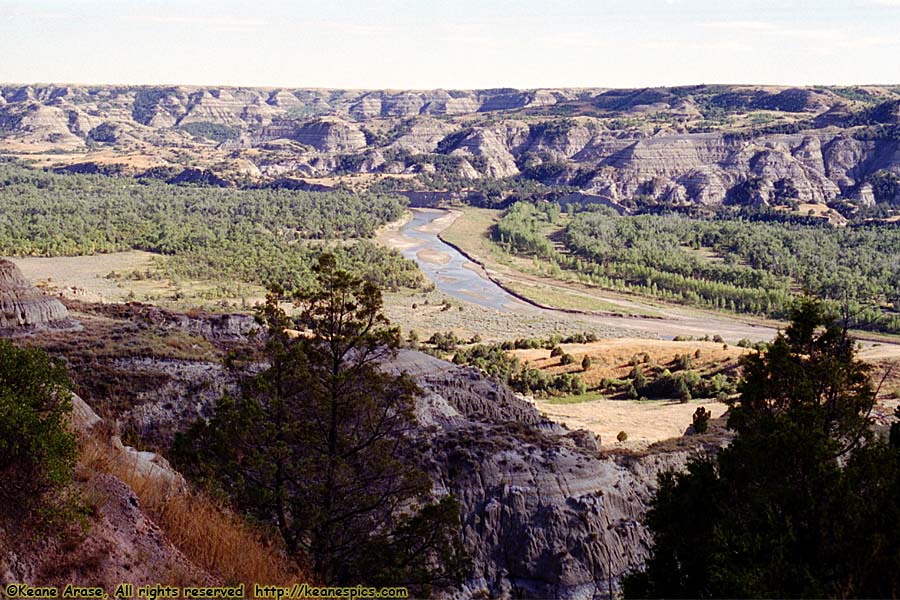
x: 804, y: 502
x: 321, y: 444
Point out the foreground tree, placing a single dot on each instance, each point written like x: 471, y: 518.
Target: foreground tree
x: 321, y: 444
x: 37, y: 451
x: 803, y: 502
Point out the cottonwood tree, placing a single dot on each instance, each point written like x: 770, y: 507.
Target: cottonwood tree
x: 321, y: 444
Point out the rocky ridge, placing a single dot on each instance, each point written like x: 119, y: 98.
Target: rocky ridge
x: 545, y: 513
x: 691, y: 145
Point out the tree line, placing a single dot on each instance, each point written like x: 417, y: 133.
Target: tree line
x: 255, y: 235
x: 721, y: 262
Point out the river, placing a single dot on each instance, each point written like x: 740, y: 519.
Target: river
x: 455, y: 275
x: 450, y: 271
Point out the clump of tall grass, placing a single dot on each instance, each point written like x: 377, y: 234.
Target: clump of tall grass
x: 208, y: 534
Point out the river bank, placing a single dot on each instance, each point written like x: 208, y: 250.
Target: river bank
x: 430, y: 236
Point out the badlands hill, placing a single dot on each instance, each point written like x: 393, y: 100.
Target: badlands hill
x: 544, y: 512
x: 24, y: 307
x: 700, y: 144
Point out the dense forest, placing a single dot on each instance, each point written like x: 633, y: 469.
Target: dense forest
x: 725, y: 262
x: 255, y: 235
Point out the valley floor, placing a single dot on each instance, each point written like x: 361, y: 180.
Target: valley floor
x: 626, y: 325
x: 572, y: 306
x: 469, y: 231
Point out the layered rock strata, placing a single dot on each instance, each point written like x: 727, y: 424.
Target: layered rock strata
x: 23, y: 306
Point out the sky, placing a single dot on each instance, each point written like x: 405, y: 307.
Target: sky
x: 462, y: 44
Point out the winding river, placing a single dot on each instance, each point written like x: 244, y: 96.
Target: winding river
x: 458, y: 277
x: 450, y: 271
x: 455, y: 275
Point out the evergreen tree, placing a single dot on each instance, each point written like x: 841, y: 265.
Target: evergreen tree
x: 802, y: 503
x: 321, y: 444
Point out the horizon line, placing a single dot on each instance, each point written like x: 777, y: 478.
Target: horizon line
x: 438, y: 89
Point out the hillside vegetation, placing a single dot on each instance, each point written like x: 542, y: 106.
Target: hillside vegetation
x: 803, y: 502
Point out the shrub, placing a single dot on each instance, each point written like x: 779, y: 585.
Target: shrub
x: 701, y: 420
x: 684, y: 392
x: 557, y: 351
x: 622, y: 436
x: 585, y: 363
x: 566, y: 359
x: 681, y: 362
x: 445, y: 342
x: 37, y: 452
x: 412, y: 340
x: 580, y: 338
x: 526, y: 344
x: 638, y: 378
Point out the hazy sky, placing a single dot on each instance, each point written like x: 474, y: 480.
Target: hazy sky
x: 450, y: 43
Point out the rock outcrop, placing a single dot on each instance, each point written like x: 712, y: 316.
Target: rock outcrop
x: 687, y: 145
x: 544, y: 513
x: 23, y: 307
x: 325, y: 135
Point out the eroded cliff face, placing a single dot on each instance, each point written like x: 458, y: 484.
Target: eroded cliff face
x: 545, y: 514
x: 23, y: 307
x: 702, y: 145
x: 704, y: 168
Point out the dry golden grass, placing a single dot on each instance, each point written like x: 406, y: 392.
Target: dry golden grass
x: 86, y: 279
x: 645, y: 422
x: 612, y: 358
x: 209, y: 535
